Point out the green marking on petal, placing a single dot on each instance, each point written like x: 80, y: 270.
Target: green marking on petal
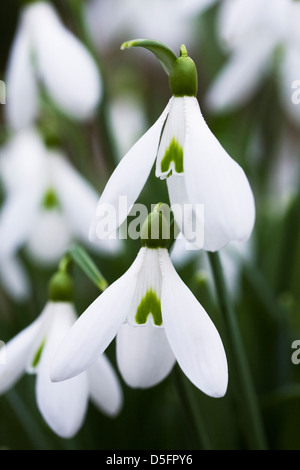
x: 174, y: 153
x: 38, y: 354
x: 150, y: 304
x: 50, y: 200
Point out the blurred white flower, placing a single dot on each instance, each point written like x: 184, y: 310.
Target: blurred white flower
x: 157, y: 321
x: 14, y: 279
x: 260, y: 37
x: 45, y: 52
x: 168, y: 21
x: 48, y: 203
x: 63, y: 405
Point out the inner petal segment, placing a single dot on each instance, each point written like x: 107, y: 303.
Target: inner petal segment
x: 170, y: 151
x: 146, y: 307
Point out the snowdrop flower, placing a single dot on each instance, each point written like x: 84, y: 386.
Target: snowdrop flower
x: 48, y: 203
x: 264, y: 40
x: 157, y: 321
x: 196, y: 167
x: 45, y: 52
x: 63, y: 405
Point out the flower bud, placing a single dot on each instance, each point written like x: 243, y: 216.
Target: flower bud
x: 183, y: 79
x: 61, y: 287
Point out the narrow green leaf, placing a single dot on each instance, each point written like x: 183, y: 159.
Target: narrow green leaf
x: 84, y: 261
x: 164, y: 54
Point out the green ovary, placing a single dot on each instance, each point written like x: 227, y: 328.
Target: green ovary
x: 150, y: 304
x: 174, y: 153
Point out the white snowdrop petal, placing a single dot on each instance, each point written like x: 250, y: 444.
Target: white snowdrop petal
x: 79, y: 202
x: 49, y: 238
x: 215, y: 180
x: 104, y: 386
x: 192, y: 335
x: 144, y: 355
x: 21, y: 89
x: 20, y: 351
x: 65, y: 66
x: 96, y: 327
x: 15, y: 279
x: 126, y: 182
x: 62, y: 405
x: 16, y: 220
x: 22, y: 160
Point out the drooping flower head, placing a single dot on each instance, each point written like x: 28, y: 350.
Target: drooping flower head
x: 262, y: 43
x: 156, y: 319
x: 64, y: 405
x: 198, y: 171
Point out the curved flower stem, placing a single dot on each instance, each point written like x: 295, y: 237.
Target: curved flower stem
x: 163, y: 53
x: 191, y: 409
x: 240, y: 366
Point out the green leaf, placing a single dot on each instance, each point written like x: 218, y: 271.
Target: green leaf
x: 84, y: 261
x: 164, y: 54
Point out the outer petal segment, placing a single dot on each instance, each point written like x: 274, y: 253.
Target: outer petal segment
x: 20, y: 350
x: 127, y: 181
x: 96, y: 327
x: 214, y: 179
x: 63, y: 405
x: 104, y: 386
x: 144, y: 355
x: 22, y: 106
x: 192, y: 335
x: 75, y: 85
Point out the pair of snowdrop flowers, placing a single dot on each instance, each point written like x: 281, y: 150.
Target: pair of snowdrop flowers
x: 45, y: 54
x: 264, y: 40
x: 64, y: 405
x: 154, y: 316
x: 47, y: 205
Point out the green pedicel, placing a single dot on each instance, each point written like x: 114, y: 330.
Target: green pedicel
x: 150, y: 304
